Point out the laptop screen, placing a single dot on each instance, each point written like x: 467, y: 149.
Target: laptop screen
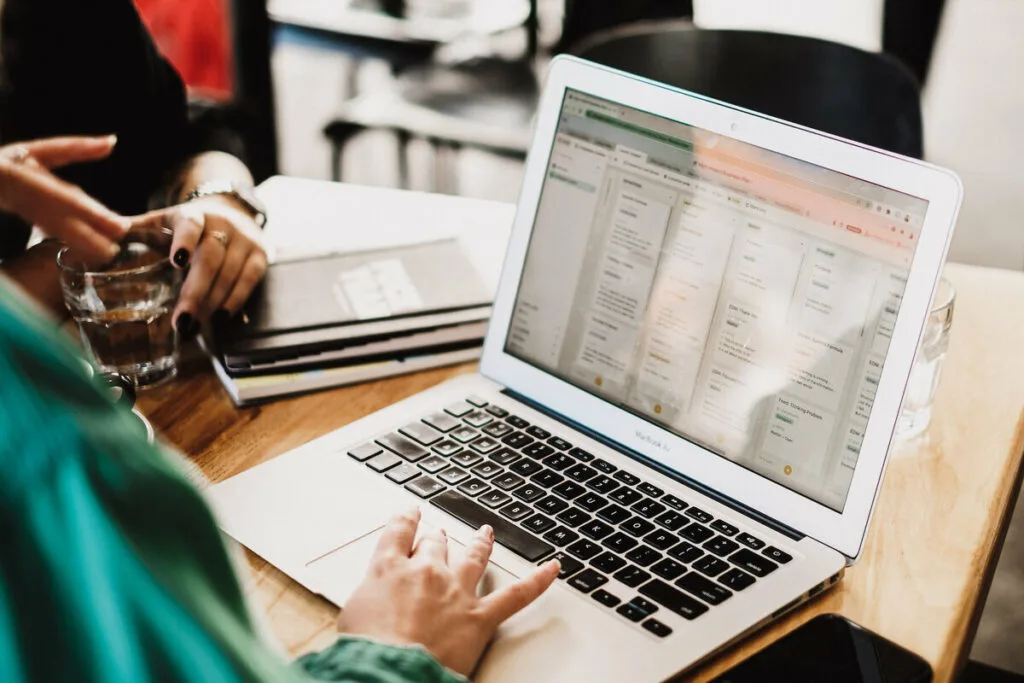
x: 738, y: 297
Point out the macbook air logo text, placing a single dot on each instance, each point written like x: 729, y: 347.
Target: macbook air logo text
x: 647, y: 438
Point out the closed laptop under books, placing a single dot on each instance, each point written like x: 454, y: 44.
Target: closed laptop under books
x: 699, y: 345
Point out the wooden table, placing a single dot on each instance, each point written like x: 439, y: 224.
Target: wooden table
x: 937, y: 530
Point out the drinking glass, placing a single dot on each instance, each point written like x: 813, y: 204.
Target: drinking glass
x: 123, y: 309
x: 927, y: 371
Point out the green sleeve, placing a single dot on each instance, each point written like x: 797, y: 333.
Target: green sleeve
x: 355, y: 660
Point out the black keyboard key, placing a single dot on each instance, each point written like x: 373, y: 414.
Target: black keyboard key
x: 425, y: 486
x: 570, y: 565
x: 614, y: 514
x: 476, y: 401
x: 632, y: 612
x: 383, y: 462
x: 627, y: 478
x: 497, y: 430
x: 697, y: 533
x: 673, y: 599
x: 559, y: 461
x: 574, y: 517
x: 632, y: 576
x: 587, y: 580
x: 504, y: 456
x: 365, y: 451
x: 774, y: 553
x: 447, y: 448
x: 673, y: 502
x: 485, y: 445
x: 626, y: 496
x: 648, y: 508
x: 699, y: 514
x: 603, y: 466
x: 515, y: 510
x: 559, y: 443
x: 494, y: 499
x: 750, y: 541
x: 584, y: 549
x: 637, y: 526
x: 459, y: 409
x: 478, y: 418
x: 529, y: 492
x: 711, y: 566
x: 466, y: 459
x: 605, y: 598
x: 643, y: 555
x: 620, y: 542
x: 507, y: 481
x: 671, y: 520
x: 581, y: 455
x: 517, y: 422
x: 580, y: 472
x: 721, y: 546
x: 547, y: 479
x: 661, y: 539
x: 657, y: 628
x: 433, y: 464
x: 561, y: 536
x: 608, y: 563
x: 516, y: 440
x: 396, y: 443
x: 650, y: 490
x: 645, y: 605
x: 591, y: 502
x: 497, y: 411
x: 453, y: 475
x: 596, y: 529
x: 569, y: 490
x: 736, y: 579
x: 538, y: 432
x: 464, y: 434
x: 668, y: 569
x: 538, y: 524
x: 442, y: 422
x: 552, y: 505
x: 525, y: 467
x: 603, y: 484
x: 538, y: 450
x: 474, y: 487
x: 686, y: 552
x: 403, y: 473
x: 708, y: 591
x: 421, y: 433
x: 486, y: 470
x: 747, y: 559
x: 723, y: 527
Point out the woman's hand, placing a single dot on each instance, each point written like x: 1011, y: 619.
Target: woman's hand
x: 222, y: 244
x: 414, y: 595
x: 61, y: 210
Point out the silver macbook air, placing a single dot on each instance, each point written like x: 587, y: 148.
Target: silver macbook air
x: 701, y: 339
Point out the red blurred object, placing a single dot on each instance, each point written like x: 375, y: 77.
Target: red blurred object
x: 195, y: 37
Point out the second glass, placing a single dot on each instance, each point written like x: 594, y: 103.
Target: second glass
x: 924, y: 377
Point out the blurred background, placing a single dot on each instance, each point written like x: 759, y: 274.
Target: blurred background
x: 438, y: 95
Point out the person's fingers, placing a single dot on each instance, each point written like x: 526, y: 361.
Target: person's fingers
x: 206, y: 264
x: 84, y: 243
x: 432, y: 546
x: 234, y: 261
x: 398, y: 535
x: 503, y: 603
x: 188, y: 224
x: 56, y: 152
x: 474, y: 561
x: 252, y: 272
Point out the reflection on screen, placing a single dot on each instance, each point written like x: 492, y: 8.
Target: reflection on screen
x: 741, y: 298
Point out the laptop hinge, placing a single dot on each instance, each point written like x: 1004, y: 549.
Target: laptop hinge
x: 655, y: 465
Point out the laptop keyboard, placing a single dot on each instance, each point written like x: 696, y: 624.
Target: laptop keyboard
x: 545, y: 497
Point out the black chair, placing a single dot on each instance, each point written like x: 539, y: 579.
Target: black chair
x: 868, y: 97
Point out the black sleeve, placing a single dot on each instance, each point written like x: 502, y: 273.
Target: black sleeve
x: 89, y: 67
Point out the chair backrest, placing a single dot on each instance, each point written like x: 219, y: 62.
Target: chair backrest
x: 863, y: 96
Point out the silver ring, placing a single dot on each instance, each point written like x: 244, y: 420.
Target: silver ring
x: 220, y: 237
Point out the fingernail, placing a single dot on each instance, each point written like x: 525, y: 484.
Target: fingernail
x: 126, y: 224
x: 444, y: 533
x: 220, y: 317
x: 112, y: 139
x: 181, y: 258
x: 113, y: 250
x: 185, y: 325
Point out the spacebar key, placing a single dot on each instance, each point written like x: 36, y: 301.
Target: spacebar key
x: 506, y: 533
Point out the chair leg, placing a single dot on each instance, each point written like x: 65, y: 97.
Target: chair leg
x: 339, y: 133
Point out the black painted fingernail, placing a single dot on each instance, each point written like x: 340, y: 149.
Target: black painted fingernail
x: 186, y: 325
x: 181, y: 258
x: 220, y: 317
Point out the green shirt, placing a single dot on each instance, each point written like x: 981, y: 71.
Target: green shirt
x: 111, y: 566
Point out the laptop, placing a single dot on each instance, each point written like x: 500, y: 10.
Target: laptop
x: 700, y: 342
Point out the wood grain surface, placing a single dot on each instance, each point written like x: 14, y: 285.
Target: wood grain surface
x: 941, y: 516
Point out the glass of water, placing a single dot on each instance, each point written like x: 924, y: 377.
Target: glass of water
x: 123, y: 308
x: 924, y: 378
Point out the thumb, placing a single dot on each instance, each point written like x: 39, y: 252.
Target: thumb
x: 54, y: 153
